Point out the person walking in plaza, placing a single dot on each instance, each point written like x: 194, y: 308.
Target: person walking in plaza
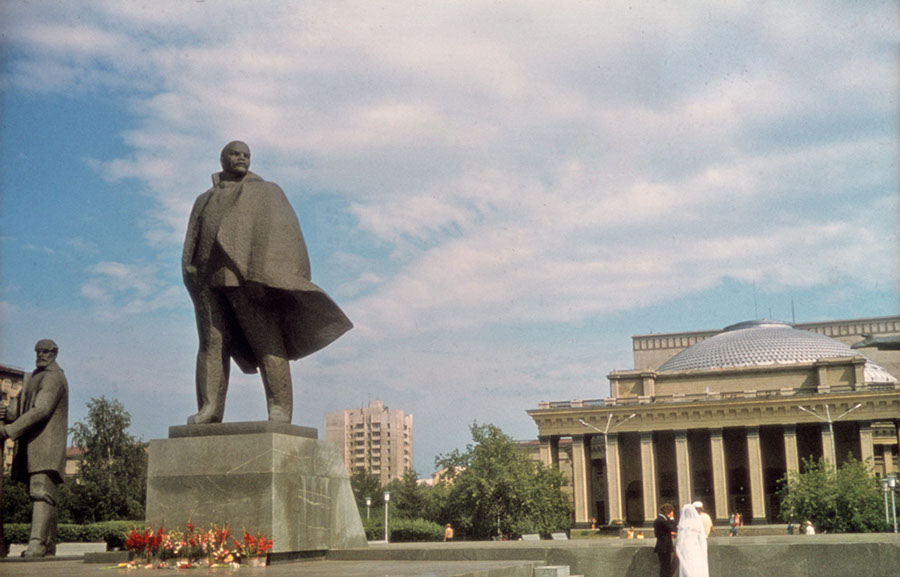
x: 664, y: 529
x: 736, y: 521
x: 691, y: 545
x: 448, y: 532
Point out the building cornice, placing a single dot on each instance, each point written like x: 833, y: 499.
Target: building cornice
x: 719, y: 413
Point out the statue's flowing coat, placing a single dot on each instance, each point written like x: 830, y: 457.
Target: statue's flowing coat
x: 260, y: 236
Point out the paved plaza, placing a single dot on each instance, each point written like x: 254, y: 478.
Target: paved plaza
x: 763, y: 556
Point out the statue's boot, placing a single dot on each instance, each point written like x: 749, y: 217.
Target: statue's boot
x: 276, y: 374
x: 279, y: 415
x: 35, y: 549
x: 43, y: 530
x: 203, y: 417
x: 211, y: 379
x: 211, y: 398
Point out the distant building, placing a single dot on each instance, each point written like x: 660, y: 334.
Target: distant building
x: 443, y: 476
x: 721, y: 416
x: 74, y: 455
x: 11, y: 382
x: 374, y: 438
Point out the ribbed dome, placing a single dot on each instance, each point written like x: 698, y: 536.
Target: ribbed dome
x: 760, y: 343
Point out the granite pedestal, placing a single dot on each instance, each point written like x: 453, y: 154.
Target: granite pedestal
x: 275, y: 478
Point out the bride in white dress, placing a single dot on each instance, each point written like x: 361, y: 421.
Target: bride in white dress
x: 691, y: 544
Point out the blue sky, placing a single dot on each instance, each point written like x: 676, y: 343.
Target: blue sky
x: 498, y: 194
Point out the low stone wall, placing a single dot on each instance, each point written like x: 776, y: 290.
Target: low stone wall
x: 867, y: 555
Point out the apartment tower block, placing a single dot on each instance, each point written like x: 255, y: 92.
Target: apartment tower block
x: 374, y: 438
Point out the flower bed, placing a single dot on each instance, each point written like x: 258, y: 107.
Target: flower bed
x: 193, y: 547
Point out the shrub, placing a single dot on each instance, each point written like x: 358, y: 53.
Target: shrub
x: 404, y: 530
x: 848, y: 500
x: 414, y: 530
x: 110, y: 532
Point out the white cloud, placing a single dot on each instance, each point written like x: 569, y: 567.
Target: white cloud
x: 118, y: 289
x: 503, y: 164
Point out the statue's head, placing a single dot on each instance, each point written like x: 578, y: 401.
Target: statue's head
x: 235, y: 159
x: 45, y: 351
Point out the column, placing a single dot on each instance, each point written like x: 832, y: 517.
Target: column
x: 683, y: 468
x: 866, y: 446
x: 720, y: 489
x: 827, y: 445
x: 581, y: 478
x: 648, y: 475
x: 613, y: 478
x: 791, y: 454
x: 549, y: 451
x: 757, y: 482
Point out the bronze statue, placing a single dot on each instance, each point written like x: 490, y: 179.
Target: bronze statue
x: 246, y: 268
x: 38, y: 421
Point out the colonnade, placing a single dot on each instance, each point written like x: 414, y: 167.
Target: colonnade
x: 715, y: 462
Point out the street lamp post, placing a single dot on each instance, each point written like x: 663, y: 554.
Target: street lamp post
x: 387, y: 498
x: 368, y: 508
x: 605, y: 433
x: 892, y: 484
x: 830, y: 422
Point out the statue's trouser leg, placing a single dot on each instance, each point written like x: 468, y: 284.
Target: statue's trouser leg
x: 261, y: 325
x: 213, y: 363
x: 42, y: 488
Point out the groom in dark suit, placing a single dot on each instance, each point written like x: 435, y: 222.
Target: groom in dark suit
x: 664, y: 529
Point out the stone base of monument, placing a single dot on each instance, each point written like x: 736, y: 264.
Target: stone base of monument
x: 274, y: 478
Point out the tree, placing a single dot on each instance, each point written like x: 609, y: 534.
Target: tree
x: 15, y: 506
x: 498, y: 490
x: 112, y: 478
x: 365, y: 484
x: 844, y: 501
x: 407, y: 496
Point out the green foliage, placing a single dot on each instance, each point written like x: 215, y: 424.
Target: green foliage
x: 404, y: 530
x: 112, y: 479
x: 499, y: 490
x: 111, y: 532
x: 15, y: 504
x: 844, y: 501
x: 407, y: 497
x: 366, y: 484
x: 437, y: 503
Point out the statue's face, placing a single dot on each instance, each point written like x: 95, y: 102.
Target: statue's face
x: 45, y: 356
x: 236, y: 159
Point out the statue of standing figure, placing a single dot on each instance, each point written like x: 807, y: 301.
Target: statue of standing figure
x: 39, y: 421
x: 247, y: 270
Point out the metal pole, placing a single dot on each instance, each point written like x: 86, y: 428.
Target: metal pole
x: 884, y: 490
x: 831, y: 433
x: 605, y: 434
x: 894, y: 503
x: 387, y: 499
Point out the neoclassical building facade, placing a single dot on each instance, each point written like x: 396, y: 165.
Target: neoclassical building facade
x: 721, y: 416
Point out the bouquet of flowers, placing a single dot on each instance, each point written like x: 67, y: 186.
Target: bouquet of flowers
x: 148, y: 544
x: 214, y: 544
x: 187, y: 548
x: 253, y: 545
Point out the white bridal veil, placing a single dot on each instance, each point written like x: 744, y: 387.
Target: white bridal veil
x: 691, y: 544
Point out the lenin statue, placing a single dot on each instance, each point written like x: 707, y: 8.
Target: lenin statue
x: 38, y: 421
x: 246, y: 268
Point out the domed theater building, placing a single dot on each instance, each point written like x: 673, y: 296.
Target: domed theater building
x: 720, y: 416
